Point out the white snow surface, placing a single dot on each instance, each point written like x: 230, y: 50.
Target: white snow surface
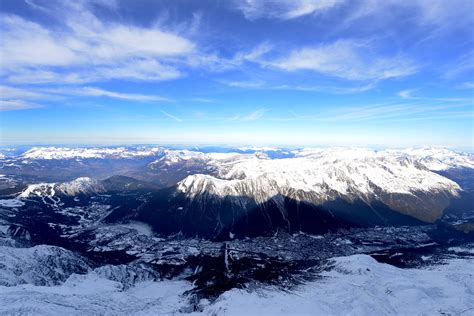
x: 38, y: 265
x: 358, y: 285
x: 361, y: 286
x: 49, y: 153
x: 11, y: 203
x: 348, y: 172
x: 94, y: 295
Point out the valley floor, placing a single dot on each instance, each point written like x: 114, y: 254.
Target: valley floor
x: 355, y: 285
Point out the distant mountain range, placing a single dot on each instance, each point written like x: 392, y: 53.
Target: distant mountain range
x: 225, y: 192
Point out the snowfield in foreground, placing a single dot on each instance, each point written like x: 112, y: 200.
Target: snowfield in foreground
x: 358, y: 285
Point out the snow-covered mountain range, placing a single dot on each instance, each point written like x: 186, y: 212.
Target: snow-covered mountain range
x: 57, y: 153
x: 321, y: 175
x: 436, y: 159
x: 432, y: 158
x: 357, y: 172
x: 407, y: 181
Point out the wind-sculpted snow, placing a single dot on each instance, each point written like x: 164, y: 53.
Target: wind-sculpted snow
x: 94, y: 295
x: 49, y: 153
x: 319, y: 176
x: 359, y: 285
x: 39, y: 265
x: 356, y: 285
x: 128, y: 275
x: 11, y: 203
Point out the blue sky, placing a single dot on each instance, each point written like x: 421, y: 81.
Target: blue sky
x: 327, y: 72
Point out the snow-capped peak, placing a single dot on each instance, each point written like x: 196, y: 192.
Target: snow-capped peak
x: 83, y: 185
x: 173, y: 157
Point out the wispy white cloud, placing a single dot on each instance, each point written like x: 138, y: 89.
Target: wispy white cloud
x: 408, y: 95
x: 171, y: 116
x: 347, y: 59
x: 439, y: 15
x: 216, y: 63
x: 41, y: 75
x: 253, y: 55
x: 467, y: 85
x: 10, y: 105
x: 12, y: 98
x: 333, y: 89
x: 7, y: 92
x: 464, y: 64
x: 17, y: 98
x: 427, y: 12
x: 36, y: 53
x: 389, y: 111
x: 245, y: 84
x: 440, y: 116
x: 96, y: 92
x: 85, y: 41
x: 141, y: 69
x: 255, y: 115
x: 282, y: 9
x: 201, y: 100
x: 309, y: 88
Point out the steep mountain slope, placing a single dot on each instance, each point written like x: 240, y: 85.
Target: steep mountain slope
x: 86, y: 186
x: 83, y: 185
x: 322, y: 176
